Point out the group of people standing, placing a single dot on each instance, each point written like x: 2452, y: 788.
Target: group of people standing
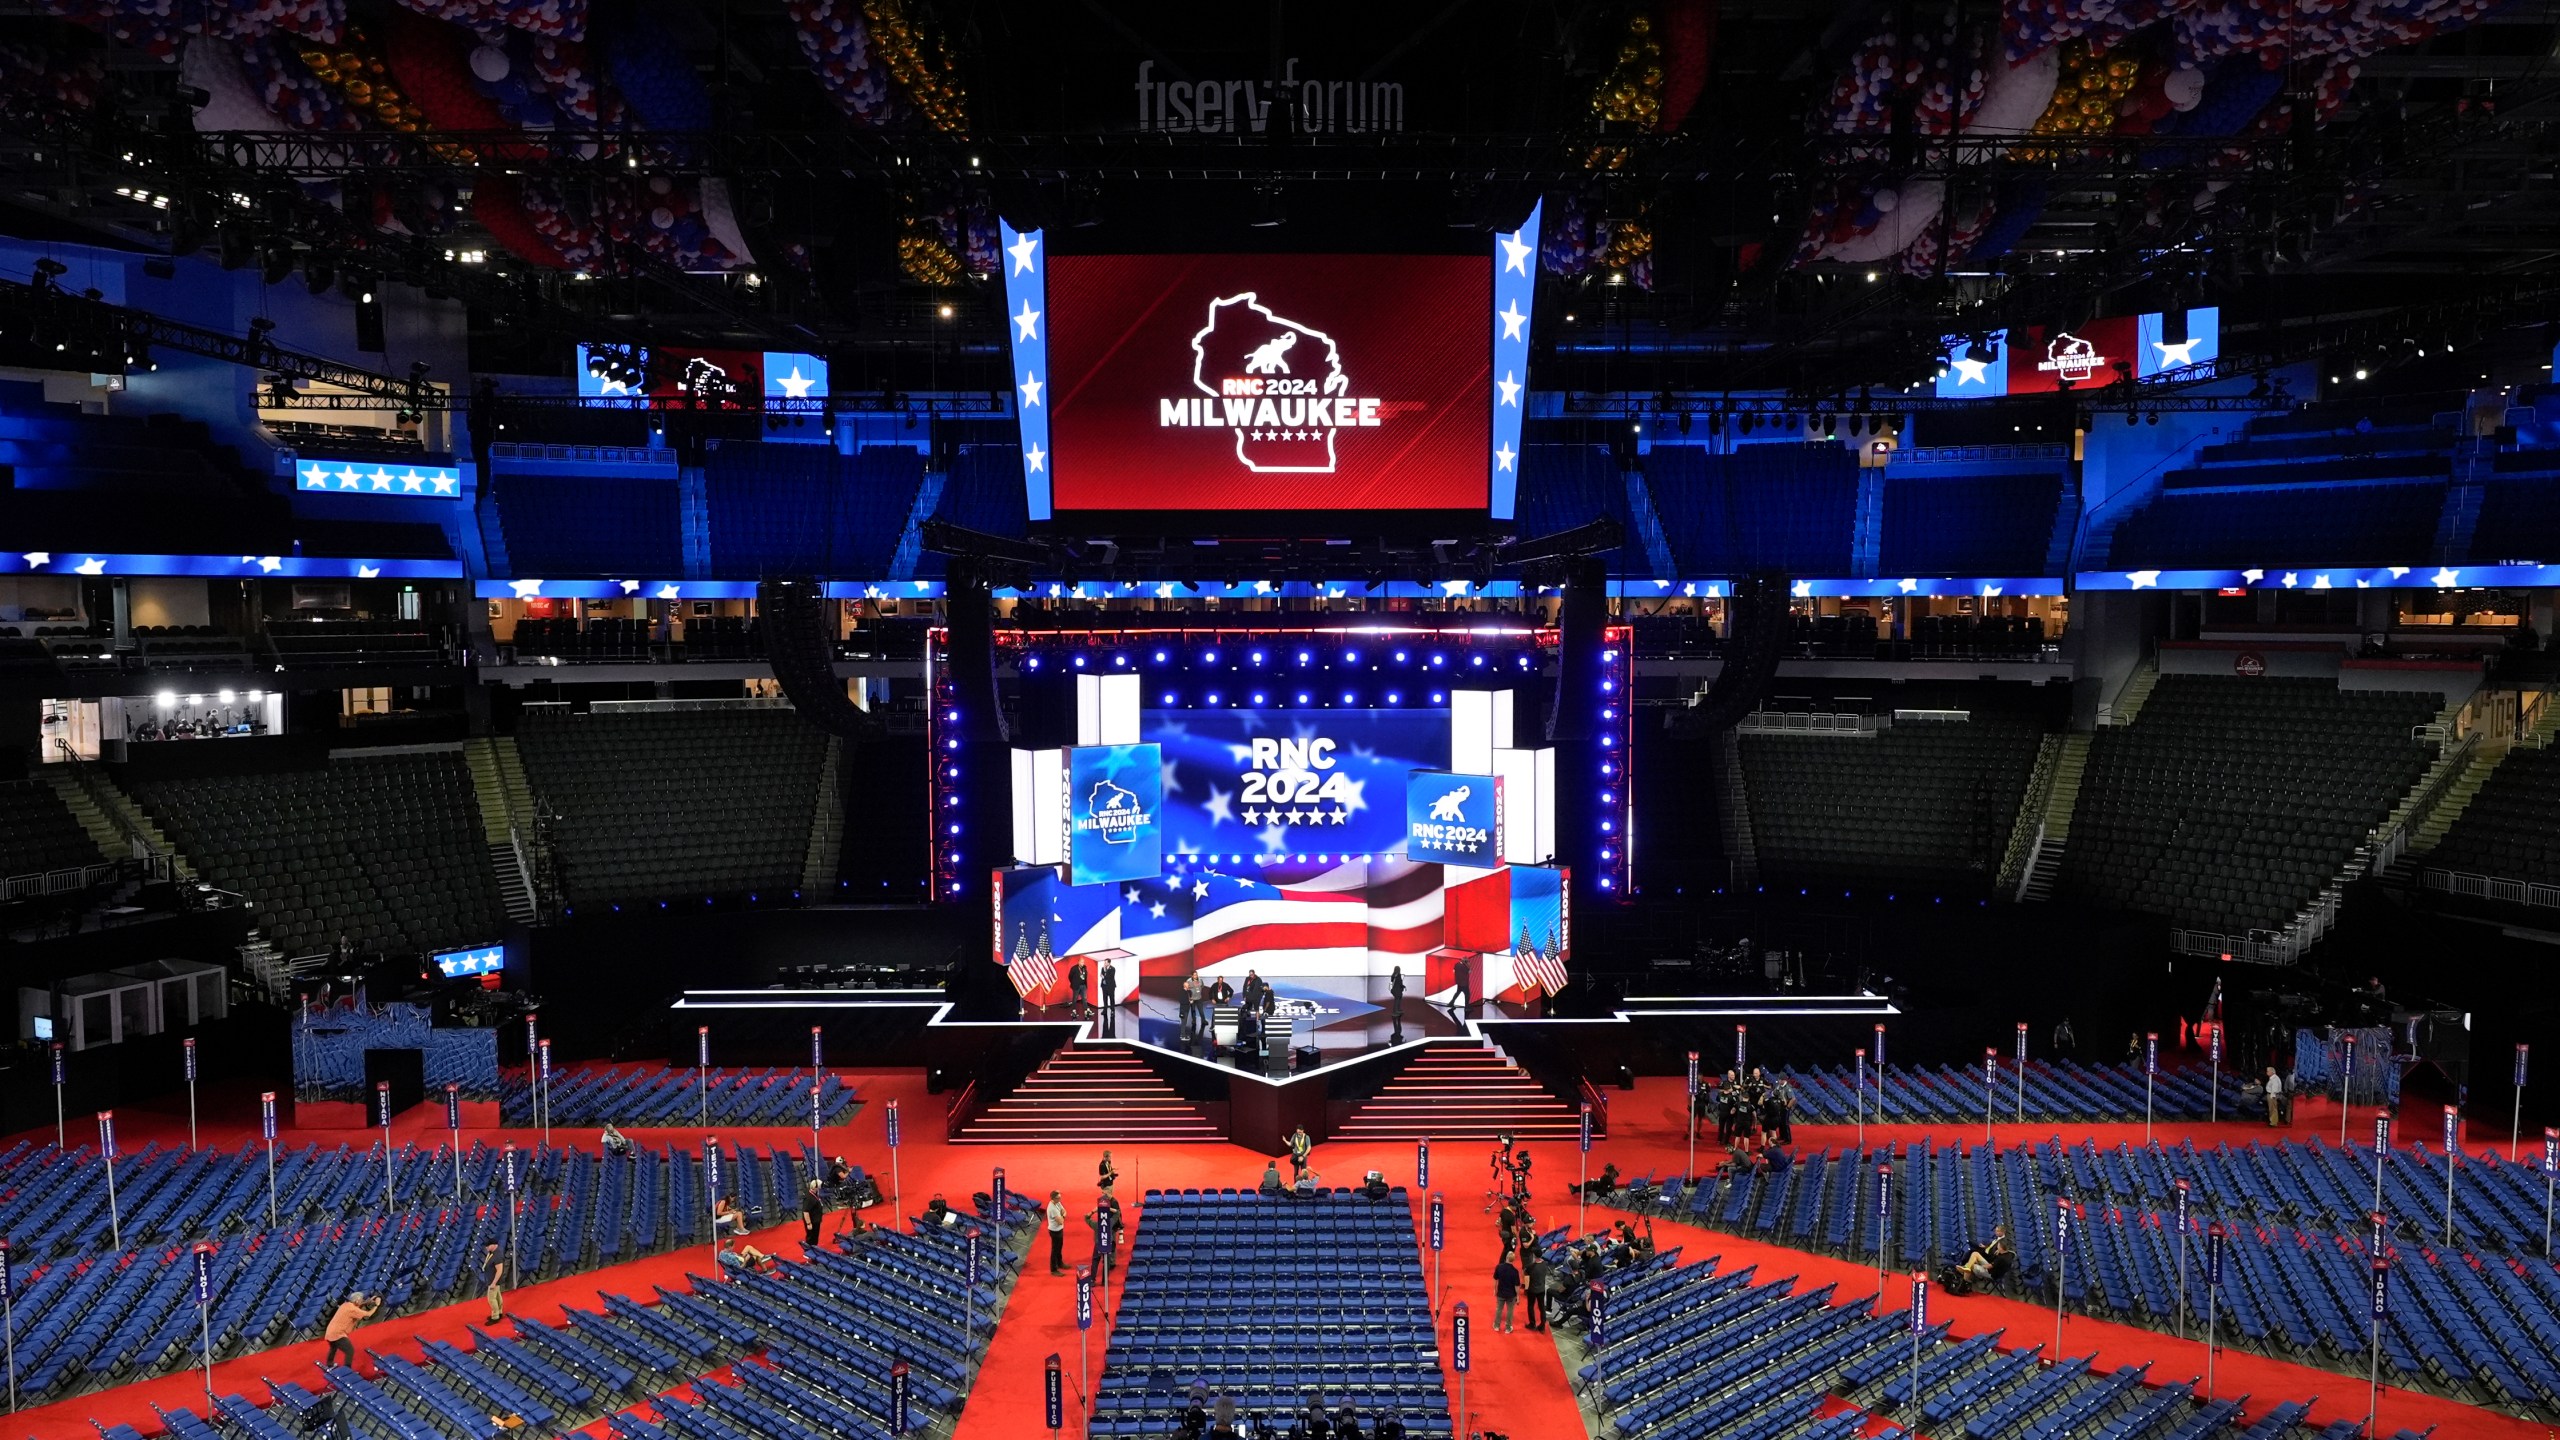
x: 1108, y: 1226
x: 1755, y: 1117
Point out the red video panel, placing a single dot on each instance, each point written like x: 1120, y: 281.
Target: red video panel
x: 1270, y: 382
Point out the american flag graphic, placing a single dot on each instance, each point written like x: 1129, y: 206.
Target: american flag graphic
x: 1351, y: 918
x: 1539, y: 969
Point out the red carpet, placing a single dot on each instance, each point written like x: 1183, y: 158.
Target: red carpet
x: 1517, y: 1384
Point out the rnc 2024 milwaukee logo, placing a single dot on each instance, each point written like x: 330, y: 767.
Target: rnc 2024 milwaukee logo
x: 1113, y: 813
x: 1278, y: 386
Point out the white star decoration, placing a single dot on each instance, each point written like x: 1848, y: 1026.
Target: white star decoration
x: 368, y: 572
x: 2143, y: 579
x: 629, y: 587
x: 1028, y: 322
x: 37, y: 559
x: 269, y: 564
x: 1907, y: 585
x: 1035, y: 459
x: 525, y: 589
x: 1022, y: 249
x: 1503, y: 457
x: 1991, y: 590
x: 1971, y: 372
x: 1803, y: 589
x: 1510, y: 389
x: 2174, y: 356
x: 91, y: 566
x: 1515, y: 253
x: 667, y: 592
x: 381, y: 479
x: 2289, y: 580
x: 1453, y: 587
x: 795, y: 386
x: 2253, y: 576
x: 2446, y: 577
x: 1030, y: 388
x: 1511, y: 319
x: 2319, y: 582
x: 2399, y: 570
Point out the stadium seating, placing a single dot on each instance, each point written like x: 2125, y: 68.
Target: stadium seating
x: 662, y: 1095
x: 38, y: 832
x: 582, y: 525
x: 2365, y: 524
x: 353, y: 642
x: 329, y: 1046
x: 985, y: 492
x: 2509, y: 829
x: 384, y: 850
x: 1202, y: 1304
x: 2464, y: 1321
x: 1787, y: 508
x: 2055, y: 1092
x: 1562, y: 486
x: 1921, y: 802
x: 727, y: 810
x: 89, y: 1316
x: 2229, y: 803
x: 1966, y: 524
x: 804, y: 509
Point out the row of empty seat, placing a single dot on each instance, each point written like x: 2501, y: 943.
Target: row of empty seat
x: 1272, y: 1303
x: 2511, y: 829
x: 1918, y: 802
x: 663, y: 1095
x: 38, y: 832
x: 2053, y: 1091
x: 2230, y: 803
x: 727, y: 810
x: 329, y: 1045
x: 384, y: 850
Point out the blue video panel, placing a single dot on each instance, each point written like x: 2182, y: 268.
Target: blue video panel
x: 1115, y: 798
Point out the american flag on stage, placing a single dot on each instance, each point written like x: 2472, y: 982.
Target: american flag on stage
x: 1032, y: 969
x: 1539, y: 970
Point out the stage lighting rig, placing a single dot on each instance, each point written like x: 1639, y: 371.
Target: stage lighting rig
x: 1009, y: 562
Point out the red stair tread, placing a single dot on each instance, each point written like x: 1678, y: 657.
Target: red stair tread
x: 1085, y: 1095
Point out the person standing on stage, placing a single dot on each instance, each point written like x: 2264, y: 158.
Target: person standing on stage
x: 1057, y: 1220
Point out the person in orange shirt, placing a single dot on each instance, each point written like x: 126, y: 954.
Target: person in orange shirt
x: 351, y: 1312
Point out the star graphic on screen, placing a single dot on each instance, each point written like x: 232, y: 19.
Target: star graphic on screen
x: 1907, y: 585
x: 1990, y: 590
x: 525, y: 589
x: 1129, y: 896
x: 1510, y: 389
x: 1030, y: 388
x: 445, y: 484
x: 413, y: 483
x: 2397, y: 571
x: 667, y: 592
x: 2289, y: 581
x: 1034, y: 458
x: 1511, y: 319
x: 2173, y: 356
x: 1297, y: 817
x: 1022, y: 249
x: 1252, y: 818
x: 1803, y: 589
x: 1028, y: 322
x: 1273, y: 840
x: 795, y: 386
x: 381, y: 481
x: 1156, y: 910
x: 2253, y: 575
x: 1503, y: 457
x: 629, y: 587
x: 1199, y: 889
x: 2445, y: 578
x: 2143, y: 579
x: 269, y: 564
x: 1515, y: 252
x: 2319, y: 582
x: 91, y: 566
x: 1971, y: 372
x: 37, y: 559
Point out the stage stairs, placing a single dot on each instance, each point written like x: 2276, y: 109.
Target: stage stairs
x: 1091, y: 1092
x: 1461, y: 1090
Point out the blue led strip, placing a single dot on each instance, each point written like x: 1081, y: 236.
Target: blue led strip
x: 1026, y: 298
x: 283, y: 567
x: 1515, y: 294
x: 378, y: 478
x: 2308, y: 577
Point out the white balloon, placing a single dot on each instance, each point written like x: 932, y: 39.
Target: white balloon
x: 2184, y: 87
x: 1915, y: 211
x: 490, y: 64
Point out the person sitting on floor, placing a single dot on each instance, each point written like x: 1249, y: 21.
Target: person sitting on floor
x: 616, y: 1143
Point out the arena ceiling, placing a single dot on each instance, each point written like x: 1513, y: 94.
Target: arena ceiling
x: 1739, y: 192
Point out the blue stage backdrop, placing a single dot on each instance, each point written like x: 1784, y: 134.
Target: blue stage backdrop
x: 1257, y: 782
x: 1113, y: 805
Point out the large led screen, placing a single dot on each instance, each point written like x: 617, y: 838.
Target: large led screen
x: 1268, y: 382
x: 1255, y: 783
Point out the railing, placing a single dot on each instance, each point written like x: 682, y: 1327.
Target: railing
x: 524, y: 870
x: 2026, y: 866
x: 963, y: 1108
x: 2018, y: 861
x: 70, y: 880
x: 597, y: 454
x: 2491, y: 887
x: 1598, y: 1099
x: 2430, y: 793
x: 1967, y: 454
x: 663, y: 707
x: 1788, y: 722
x: 156, y: 866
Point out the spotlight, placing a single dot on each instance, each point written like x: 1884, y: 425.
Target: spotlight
x: 279, y: 264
